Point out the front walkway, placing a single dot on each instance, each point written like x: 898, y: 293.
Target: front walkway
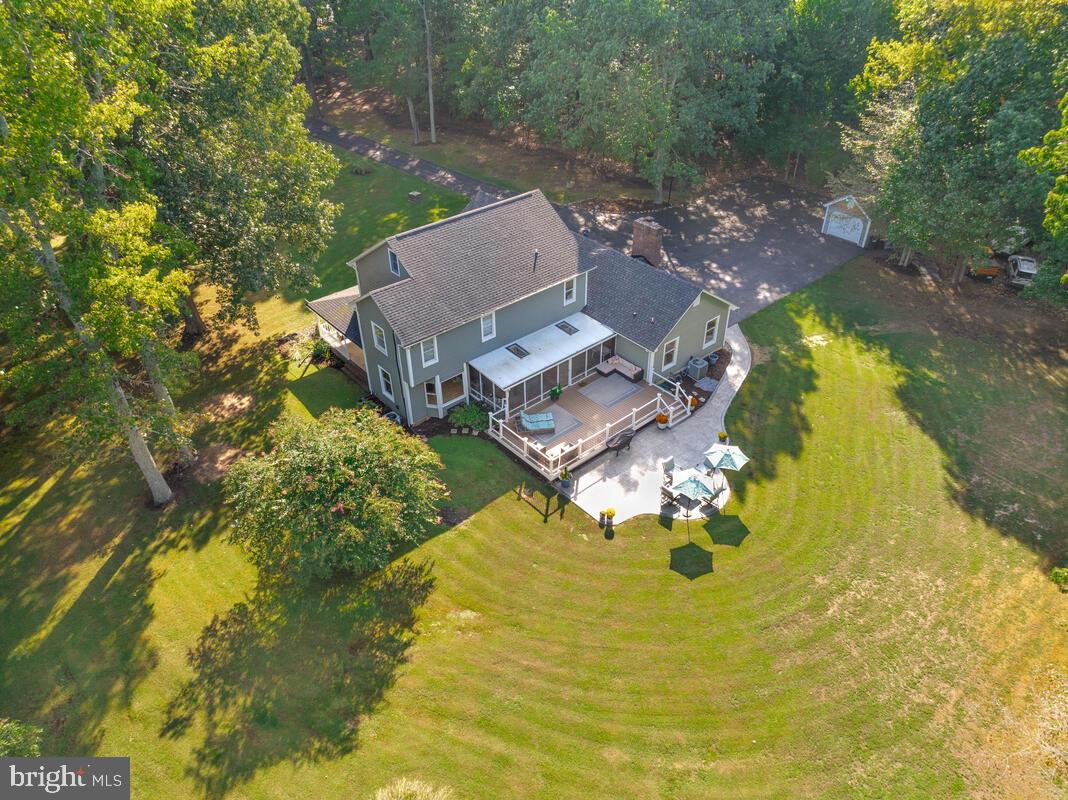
x: 630, y: 482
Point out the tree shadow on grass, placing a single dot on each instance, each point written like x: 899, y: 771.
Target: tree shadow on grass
x: 978, y: 375
x: 291, y: 673
x: 767, y: 417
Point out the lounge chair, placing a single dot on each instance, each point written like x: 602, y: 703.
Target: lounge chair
x: 541, y: 422
x: 667, y: 498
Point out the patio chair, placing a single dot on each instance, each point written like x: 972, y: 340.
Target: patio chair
x: 669, y: 470
x: 709, y: 503
x: 621, y: 441
x: 541, y: 422
x: 666, y: 497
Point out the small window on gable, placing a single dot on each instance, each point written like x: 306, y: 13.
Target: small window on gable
x: 711, y: 331
x: 518, y: 350
x: 489, y: 326
x: 569, y: 292
x: 394, y: 263
x: 430, y: 351
x: 379, y: 336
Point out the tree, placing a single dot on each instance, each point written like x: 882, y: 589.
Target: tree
x: 239, y: 175
x: 19, y: 739
x: 1051, y: 158
x: 984, y: 78
x: 63, y: 110
x: 654, y: 84
x: 341, y: 493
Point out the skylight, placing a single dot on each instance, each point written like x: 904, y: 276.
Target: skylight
x: 518, y: 351
x: 567, y: 328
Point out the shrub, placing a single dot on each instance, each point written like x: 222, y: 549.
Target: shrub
x: 343, y: 492
x: 1059, y: 575
x: 469, y: 416
x: 19, y: 739
x: 320, y: 351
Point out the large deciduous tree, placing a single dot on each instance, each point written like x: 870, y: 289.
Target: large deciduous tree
x: 985, y: 77
x: 655, y: 84
x: 239, y: 175
x: 344, y: 492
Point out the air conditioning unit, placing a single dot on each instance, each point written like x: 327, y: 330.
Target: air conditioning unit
x: 697, y: 368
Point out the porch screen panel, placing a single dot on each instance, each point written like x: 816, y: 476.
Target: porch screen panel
x: 593, y: 357
x: 533, y: 387
x: 578, y: 365
x: 474, y: 381
x: 608, y: 349
x: 498, y: 395
x: 515, y: 398
x: 549, y: 379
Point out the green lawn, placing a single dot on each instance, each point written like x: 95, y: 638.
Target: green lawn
x: 869, y: 618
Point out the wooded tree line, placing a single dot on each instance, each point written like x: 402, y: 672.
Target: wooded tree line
x: 933, y: 101
x: 146, y: 147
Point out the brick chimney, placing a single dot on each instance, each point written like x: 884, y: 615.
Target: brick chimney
x: 648, y: 240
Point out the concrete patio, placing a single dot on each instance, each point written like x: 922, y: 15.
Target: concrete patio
x: 630, y: 482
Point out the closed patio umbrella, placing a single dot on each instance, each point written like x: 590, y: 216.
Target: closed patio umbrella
x: 725, y: 456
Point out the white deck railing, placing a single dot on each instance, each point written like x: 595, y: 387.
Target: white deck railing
x: 549, y: 461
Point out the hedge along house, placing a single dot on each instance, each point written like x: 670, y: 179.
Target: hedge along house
x: 844, y: 218
x: 503, y: 302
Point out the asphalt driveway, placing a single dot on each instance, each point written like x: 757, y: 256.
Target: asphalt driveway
x: 750, y: 242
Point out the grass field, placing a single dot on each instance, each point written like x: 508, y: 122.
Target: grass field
x: 869, y: 618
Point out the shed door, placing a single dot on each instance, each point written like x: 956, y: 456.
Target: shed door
x: 845, y: 226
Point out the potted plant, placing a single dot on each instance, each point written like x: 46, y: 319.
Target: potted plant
x: 723, y: 436
x: 693, y: 402
x: 565, y: 478
x: 555, y: 392
x: 609, y: 515
x: 661, y: 420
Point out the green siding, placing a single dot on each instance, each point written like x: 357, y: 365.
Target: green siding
x: 690, y: 331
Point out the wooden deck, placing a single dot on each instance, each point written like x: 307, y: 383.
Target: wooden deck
x: 598, y: 423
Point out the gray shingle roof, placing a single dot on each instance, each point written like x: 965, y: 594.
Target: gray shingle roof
x: 475, y: 262
x: 335, y: 309
x: 632, y: 298
x: 481, y: 198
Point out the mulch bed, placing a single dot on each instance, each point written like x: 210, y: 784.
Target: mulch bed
x: 720, y: 369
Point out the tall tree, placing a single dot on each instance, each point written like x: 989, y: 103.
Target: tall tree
x: 1051, y: 158
x: 655, y: 84
x: 239, y: 175
x: 985, y: 76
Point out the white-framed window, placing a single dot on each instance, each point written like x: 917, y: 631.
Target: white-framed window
x: 489, y: 326
x: 394, y: 263
x: 569, y: 292
x: 386, y: 380
x: 429, y: 349
x: 671, y: 353
x: 431, y: 393
x: 379, y: 335
x: 711, y: 331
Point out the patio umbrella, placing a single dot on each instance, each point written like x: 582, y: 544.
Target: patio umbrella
x: 725, y: 456
x: 695, y: 486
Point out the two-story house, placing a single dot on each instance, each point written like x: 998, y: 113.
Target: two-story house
x: 502, y: 303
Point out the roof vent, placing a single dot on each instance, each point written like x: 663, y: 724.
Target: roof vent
x: 535, y: 258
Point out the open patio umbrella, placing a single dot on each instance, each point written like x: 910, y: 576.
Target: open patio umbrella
x: 725, y: 456
x: 695, y: 486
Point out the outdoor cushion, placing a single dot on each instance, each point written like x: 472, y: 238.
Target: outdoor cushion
x: 542, y: 421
